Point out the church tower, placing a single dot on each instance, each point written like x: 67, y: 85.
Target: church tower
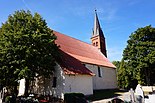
x: 98, y: 38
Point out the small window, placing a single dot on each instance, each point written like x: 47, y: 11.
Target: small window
x: 93, y: 44
x: 99, y: 72
x: 54, y: 82
x: 96, y: 43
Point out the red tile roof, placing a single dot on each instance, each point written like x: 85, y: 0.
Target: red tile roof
x: 73, y: 66
x: 82, y: 51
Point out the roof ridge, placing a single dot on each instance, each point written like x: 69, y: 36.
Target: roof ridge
x: 76, y: 39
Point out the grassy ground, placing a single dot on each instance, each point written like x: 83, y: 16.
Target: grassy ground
x: 104, y: 94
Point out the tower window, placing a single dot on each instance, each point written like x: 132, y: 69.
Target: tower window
x: 96, y: 43
x: 93, y: 44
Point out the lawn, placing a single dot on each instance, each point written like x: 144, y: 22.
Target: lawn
x: 104, y: 94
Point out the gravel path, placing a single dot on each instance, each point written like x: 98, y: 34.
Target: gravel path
x: 124, y: 96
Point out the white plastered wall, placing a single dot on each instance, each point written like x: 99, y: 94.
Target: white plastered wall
x: 44, y: 86
x: 108, y: 79
x: 79, y: 83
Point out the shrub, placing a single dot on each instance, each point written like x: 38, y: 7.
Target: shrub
x: 74, y: 98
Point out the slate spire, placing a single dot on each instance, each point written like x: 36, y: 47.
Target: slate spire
x: 98, y: 38
x: 97, y: 29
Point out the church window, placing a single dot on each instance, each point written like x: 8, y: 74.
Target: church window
x: 96, y: 43
x: 93, y: 44
x: 99, y: 72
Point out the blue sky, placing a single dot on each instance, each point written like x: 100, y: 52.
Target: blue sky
x: 118, y: 18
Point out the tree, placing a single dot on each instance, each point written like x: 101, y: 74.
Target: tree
x: 27, y: 48
x: 140, y: 55
x: 123, y: 75
x: 117, y: 64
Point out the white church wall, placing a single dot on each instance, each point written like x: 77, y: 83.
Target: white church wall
x: 107, y: 78
x: 79, y: 84
x: 45, y: 86
x: 59, y: 90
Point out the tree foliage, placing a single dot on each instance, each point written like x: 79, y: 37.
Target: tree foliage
x: 118, y: 72
x: 123, y: 74
x: 139, y: 56
x: 27, y: 48
x: 117, y: 64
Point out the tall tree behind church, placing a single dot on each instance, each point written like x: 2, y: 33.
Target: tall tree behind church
x: 139, y: 55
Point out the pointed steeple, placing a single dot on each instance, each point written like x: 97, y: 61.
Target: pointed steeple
x: 98, y: 38
x: 97, y: 29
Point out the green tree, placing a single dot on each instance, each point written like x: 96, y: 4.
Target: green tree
x: 117, y: 64
x: 27, y: 48
x: 123, y: 75
x: 140, y: 55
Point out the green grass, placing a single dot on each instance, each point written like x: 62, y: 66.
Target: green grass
x: 104, y: 94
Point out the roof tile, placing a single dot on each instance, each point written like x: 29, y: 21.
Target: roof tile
x: 82, y: 51
x: 73, y: 66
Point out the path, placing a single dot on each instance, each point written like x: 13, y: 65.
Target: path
x: 123, y: 96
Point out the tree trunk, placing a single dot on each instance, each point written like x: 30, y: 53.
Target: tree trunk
x: 26, y: 87
x: 15, y: 89
x: 147, y: 76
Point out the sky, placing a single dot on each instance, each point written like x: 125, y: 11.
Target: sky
x: 75, y: 18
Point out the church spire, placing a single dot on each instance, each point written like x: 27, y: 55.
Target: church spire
x: 97, y: 38
x: 97, y: 29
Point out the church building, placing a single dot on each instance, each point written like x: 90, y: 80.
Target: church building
x: 84, y: 66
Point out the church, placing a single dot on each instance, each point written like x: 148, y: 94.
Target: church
x: 84, y: 66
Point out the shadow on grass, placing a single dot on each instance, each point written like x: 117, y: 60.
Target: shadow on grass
x: 105, y: 94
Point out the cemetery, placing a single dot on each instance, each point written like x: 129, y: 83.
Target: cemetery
x: 38, y: 64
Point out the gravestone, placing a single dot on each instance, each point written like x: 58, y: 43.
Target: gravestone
x: 132, y: 95
x: 139, y: 94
